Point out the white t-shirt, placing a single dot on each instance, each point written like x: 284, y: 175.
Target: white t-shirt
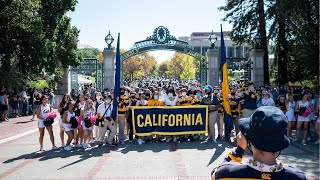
x: 267, y: 102
x: 102, y: 109
x: 170, y: 101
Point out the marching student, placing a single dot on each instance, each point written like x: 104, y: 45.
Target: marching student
x: 154, y: 101
x: 250, y: 100
x: 61, y: 109
x: 267, y: 100
x: 197, y: 98
x: 290, y: 106
x: 132, y: 102
x: 212, y: 101
x: 36, y: 102
x: 192, y: 92
x: 170, y: 100
x: 98, y: 101
x: 184, y: 100
x: 142, y: 102
x: 78, y: 132
x: 304, y: 108
x: 220, y: 116
x: 104, y: 113
x: 42, y: 115
x: 87, y: 112
x: 66, y: 124
x: 235, y: 107
x: 123, y: 102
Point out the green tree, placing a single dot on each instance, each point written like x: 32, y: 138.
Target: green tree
x: 189, y: 72
x: 163, y: 68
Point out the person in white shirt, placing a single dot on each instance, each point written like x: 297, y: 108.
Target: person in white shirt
x: 105, y: 111
x: 267, y: 100
x: 171, y: 98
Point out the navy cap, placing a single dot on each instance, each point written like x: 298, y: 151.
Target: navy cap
x: 266, y: 129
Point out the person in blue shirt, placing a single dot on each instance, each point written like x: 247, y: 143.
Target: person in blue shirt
x: 255, y: 134
x: 212, y: 101
x: 250, y: 100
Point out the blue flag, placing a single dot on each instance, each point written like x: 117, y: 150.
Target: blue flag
x: 225, y: 88
x: 116, y: 80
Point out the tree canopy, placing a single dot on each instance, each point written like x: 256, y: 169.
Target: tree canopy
x: 36, y: 38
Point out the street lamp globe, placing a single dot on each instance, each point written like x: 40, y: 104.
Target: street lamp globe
x: 212, y: 39
x: 109, y: 40
x: 257, y: 41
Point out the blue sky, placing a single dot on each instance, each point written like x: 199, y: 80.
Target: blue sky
x: 136, y: 19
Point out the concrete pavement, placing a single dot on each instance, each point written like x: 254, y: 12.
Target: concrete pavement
x: 20, y: 158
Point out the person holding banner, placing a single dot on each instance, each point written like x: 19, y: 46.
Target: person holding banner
x: 123, y: 102
x: 193, y: 90
x: 171, y: 99
x: 185, y: 100
x: 132, y: 102
x: 213, y: 103
x: 198, y: 97
x: 220, y: 120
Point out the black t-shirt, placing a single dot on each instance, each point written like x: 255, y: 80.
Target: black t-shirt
x: 37, y: 99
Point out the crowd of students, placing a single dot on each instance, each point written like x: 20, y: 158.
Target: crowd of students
x: 75, y: 113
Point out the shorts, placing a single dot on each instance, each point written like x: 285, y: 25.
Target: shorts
x: 41, y: 124
x: 303, y: 119
x: 290, y: 116
x: 85, y: 128
x: 35, y: 107
x: 15, y: 105
x: 66, y: 127
x: 4, y: 107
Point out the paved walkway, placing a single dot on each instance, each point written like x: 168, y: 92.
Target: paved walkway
x: 20, y: 158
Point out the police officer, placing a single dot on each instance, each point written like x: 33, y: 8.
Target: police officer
x: 264, y: 163
x: 212, y: 101
x: 250, y: 100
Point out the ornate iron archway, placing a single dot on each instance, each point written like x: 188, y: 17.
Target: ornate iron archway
x: 162, y: 40
x: 88, y: 66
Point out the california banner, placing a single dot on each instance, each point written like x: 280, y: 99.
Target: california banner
x: 170, y: 120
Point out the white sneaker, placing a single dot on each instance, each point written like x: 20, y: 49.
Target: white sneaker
x: 317, y: 142
x: 308, y: 139
x: 168, y: 140
x: 54, y: 148
x: 67, y: 148
x: 214, y: 141
x: 140, y: 141
x: 88, y: 145
x: 304, y: 142
x: 41, y: 148
x: 63, y: 145
x: 84, y: 145
x: 78, y: 145
x: 175, y: 139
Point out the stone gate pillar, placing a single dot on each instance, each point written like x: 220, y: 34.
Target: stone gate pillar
x: 213, y: 67
x: 256, y: 56
x: 108, y: 68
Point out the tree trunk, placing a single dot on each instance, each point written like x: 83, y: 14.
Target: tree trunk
x: 282, y: 50
x: 63, y: 84
x: 264, y: 42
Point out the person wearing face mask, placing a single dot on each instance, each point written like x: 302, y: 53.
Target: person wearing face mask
x: 220, y: 120
x: 213, y: 103
x: 104, y: 112
x: 250, y: 100
x: 123, y: 102
x: 265, y: 149
x: 170, y: 98
x: 235, y: 107
x: 267, y: 100
x: 197, y: 98
x: 99, y: 100
x: 133, y: 101
x: 193, y: 90
x: 155, y: 100
x: 184, y: 100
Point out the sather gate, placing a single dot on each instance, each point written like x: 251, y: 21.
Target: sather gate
x: 162, y: 40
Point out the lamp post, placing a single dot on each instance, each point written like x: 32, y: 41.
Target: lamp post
x: 257, y: 41
x: 109, y: 40
x: 212, y: 39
